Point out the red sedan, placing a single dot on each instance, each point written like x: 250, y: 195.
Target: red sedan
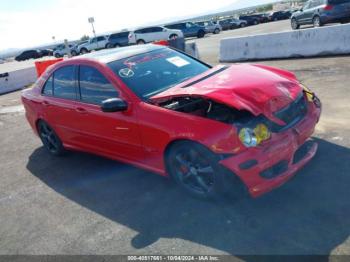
x: 212, y: 129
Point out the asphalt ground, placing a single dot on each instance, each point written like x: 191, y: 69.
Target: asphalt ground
x: 85, y: 204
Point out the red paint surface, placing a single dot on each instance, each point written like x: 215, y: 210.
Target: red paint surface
x: 141, y: 134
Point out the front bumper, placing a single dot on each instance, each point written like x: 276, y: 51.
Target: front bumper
x: 279, y: 155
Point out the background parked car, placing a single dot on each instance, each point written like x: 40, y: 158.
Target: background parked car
x: 210, y: 27
x: 225, y: 24
x: 189, y: 29
x: 151, y: 34
x: 251, y: 19
x: 62, y: 51
x: 95, y: 43
x: 46, y: 52
x: 118, y: 39
x: 74, y: 49
x: 320, y: 12
x: 28, y: 54
x: 232, y: 23
x: 263, y: 18
x: 237, y: 23
x: 280, y: 15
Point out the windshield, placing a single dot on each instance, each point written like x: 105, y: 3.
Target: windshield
x: 154, y: 72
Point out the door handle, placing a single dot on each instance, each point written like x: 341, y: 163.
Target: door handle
x: 81, y: 110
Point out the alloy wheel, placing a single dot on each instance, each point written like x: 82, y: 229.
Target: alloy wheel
x: 49, y: 138
x: 194, y: 171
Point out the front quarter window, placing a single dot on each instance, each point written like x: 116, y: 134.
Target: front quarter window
x: 154, y: 72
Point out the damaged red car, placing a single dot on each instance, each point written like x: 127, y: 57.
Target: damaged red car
x: 212, y: 129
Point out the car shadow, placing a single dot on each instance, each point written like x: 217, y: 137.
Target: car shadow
x: 308, y: 215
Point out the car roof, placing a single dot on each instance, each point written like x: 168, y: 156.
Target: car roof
x: 109, y: 55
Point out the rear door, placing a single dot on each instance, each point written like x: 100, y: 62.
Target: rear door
x: 114, y: 133
x: 59, y: 98
x: 157, y: 33
x: 306, y: 15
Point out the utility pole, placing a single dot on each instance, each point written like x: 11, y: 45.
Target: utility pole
x: 92, y: 21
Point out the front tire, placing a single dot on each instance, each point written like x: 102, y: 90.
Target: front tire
x: 50, y: 139
x: 216, y: 31
x: 295, y: 24
x: 196, y: 170
x: 84, y: 51
x: 141, y: 42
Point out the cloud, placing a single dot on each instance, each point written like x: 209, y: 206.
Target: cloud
x: 67, y: 19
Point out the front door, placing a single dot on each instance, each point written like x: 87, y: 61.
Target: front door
x: 114, y: 133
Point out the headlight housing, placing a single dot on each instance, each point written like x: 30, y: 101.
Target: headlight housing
x: 253, y: 137
x: 308, y: 92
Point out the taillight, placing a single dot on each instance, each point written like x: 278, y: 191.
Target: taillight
x: 328, y: 7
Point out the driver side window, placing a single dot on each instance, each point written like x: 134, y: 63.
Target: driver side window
x: 94, y: 87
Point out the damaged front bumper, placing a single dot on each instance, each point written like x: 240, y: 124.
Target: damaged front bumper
x: 271, y: 164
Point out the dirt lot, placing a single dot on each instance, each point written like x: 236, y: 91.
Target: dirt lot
x: 84, y: 204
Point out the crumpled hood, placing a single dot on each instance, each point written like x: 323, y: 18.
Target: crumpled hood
x: 259, y: 89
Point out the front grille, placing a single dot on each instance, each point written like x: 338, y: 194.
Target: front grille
x: 292, y: 114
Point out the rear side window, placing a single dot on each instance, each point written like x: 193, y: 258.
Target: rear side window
x: 64, y: 82
x: 47, y: 90
x: 94, y: 87
x: 156, y: 29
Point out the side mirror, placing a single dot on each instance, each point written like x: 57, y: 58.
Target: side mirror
x: 114, y: 105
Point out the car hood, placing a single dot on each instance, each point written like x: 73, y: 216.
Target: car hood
x: 259, y: 89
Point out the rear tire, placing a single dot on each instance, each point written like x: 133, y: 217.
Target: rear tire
x: 57, y: 56
x: 141, y: 42
x: 242, y: 25
x: 50, y: 139
x: 216, y: 31
x: 317, y: 21
x: 196, y: 170
x: 74, y: 53
x: 201, y: 34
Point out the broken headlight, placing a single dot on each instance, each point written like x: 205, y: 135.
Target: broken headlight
x: 253, y: 137
x: 308, y: 92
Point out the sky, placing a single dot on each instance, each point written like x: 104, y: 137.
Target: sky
x: 26, y: 23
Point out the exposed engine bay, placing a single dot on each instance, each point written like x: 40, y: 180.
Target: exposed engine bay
x: 208, y: 109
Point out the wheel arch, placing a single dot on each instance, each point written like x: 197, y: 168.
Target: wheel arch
x: 232, y: 176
